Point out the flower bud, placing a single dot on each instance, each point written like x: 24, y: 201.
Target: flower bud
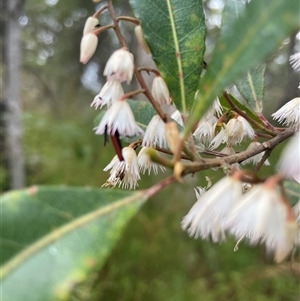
x: 172, y: 136
x: 90, y: 25
x: 178, y: 169
x: 88, y: 47
x: 160, y: 91
x: 140, y: 37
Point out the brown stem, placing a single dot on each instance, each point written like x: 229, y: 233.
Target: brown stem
x: 217, y: 162
x: 247, y: 117
x: 130, y: 19
x: 148, y: 70
x: 116, y: 25
x: 265, y: 121
x: 262, y: 161
x: 99, y: 11
x: 149, y: 95
x: 137, y: 74
x: 102, y: 29
x: 159, y: 186
x: 168, y: 152
x: 213, y: 153
x: 131, y: 94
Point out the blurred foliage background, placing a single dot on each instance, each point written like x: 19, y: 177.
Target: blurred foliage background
x: 154, y: 260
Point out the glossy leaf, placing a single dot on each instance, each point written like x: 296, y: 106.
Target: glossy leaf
x: 53, y: 237
x: 175, y: 33
x: 252, y: 87
x: 254, y: 35
x: 143, y: 112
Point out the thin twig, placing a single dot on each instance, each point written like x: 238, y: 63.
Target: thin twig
x: 217, y: 162
x: 130, y: 19
x: 159, y: 186
x: 247, y: 117
x: 263, y: 160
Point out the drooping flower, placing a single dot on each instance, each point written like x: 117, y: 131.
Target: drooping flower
x: 160, y: 91
x: 289, y: 162
x: 205, y: 129
x: 155, y: 134
x: 208, y: 215
x: 140, y: 37
x: 177, y: 117
x: 257, y: 158
x: 110, y: 92
x: 145, y: 162
x: 125, y: 173
x: 295, y: 61
x: 120, y: 66
x: 90, y: 25
x: 217, y: 106
x: 289, y: 114
x: 88, y: 47
x: 119, y: 117
x: 219, y: 138
x: 237, y: 129
x: 262, y: 216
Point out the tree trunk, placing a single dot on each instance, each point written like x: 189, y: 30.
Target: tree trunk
x: 13, y: 117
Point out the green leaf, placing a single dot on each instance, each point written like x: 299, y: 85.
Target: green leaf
x: 175, y: 33
x: 232, y: 10
x: 293, y: 191
x: 143, y: 112
x: 252, y: 87
x: 53, y: 237
x: 254, y: 35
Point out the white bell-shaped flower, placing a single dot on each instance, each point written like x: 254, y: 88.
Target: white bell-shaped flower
x: 119, y: 117
x: 155, y: 134
x: 112, y: 91
x: 145, y: 162
x: 160, y: 91
x: 262, y: 216
x: 120, y: 66
x: 289, y: 162
x: 237, y: 129
x: 205, y: 129
x: 124, y: 173
x: 289, y: 114
x: 208, y: 215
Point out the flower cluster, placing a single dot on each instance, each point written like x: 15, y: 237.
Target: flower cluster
x: 261, y: 215
x: 233, y: 132
x: 258, y: 213
x: 126, y: 173
x: 118, y: 117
